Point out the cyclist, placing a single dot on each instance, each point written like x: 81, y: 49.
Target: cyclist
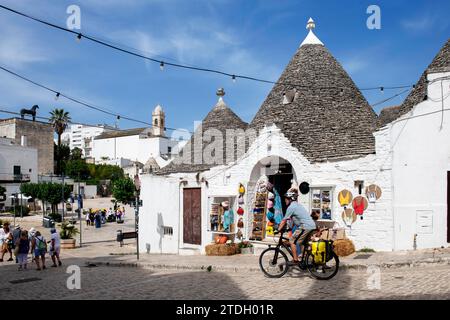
x: 301, y: 220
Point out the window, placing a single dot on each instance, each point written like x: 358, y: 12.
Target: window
x: 16, y: 170
x: 321, y: 202
x: 169, y: 149
x: 156, y: 122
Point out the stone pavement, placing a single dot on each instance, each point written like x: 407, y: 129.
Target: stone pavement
x: 238, y: 263
x: 107, y: 283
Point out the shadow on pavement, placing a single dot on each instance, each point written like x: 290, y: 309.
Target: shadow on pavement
x: 108, y: 282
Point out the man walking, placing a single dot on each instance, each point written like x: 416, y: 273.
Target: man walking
x: 55, y: 247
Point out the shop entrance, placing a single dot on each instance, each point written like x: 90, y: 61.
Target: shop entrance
x: 282, y: 181
x: 192, y: 216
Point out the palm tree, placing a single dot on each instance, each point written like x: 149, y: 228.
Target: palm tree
x: 59, y: 119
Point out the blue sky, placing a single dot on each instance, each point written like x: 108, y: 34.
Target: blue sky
x: 250, y: 37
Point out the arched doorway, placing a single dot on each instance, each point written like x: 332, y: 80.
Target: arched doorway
x: 279, y: 172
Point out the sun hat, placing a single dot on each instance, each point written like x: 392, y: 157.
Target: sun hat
x: 52, y: 230
x: 270, y: 196
x: 32, y: 230
x: 225, y: 203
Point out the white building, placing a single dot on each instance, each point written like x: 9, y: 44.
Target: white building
x: 138, y: 144
x: 18, y: 164
x: 81, y: 136
x: 323, y: 133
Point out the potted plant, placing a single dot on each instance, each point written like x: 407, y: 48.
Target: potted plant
x: 67, y: 233
x: 246, y: 247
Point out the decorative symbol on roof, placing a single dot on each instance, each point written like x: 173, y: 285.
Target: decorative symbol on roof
x: 311, y: 24
x: 220, y: 92
x: 311, y: 37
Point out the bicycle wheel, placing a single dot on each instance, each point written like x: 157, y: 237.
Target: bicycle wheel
x: 323, y: 271
x: 273, y: 263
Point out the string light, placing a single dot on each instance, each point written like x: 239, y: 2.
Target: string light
x: 161, y: 65
x: 182, y: 66
x: 382, y: 89
x: 57, y: 96
x: 79, y: 37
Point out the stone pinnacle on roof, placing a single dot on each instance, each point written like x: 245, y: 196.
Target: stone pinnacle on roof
x: 220, y: 103
x: 311, y: 37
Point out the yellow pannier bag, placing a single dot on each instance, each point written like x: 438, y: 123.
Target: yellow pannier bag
x: 319, y: 251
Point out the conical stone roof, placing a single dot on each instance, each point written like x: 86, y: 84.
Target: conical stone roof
x: 440, y: 63
x: 220, y: 118
x: 318, y: 107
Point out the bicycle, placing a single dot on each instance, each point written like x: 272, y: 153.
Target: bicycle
x: 275, y: 259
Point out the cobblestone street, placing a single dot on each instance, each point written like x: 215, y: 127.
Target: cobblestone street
x: 103, y: 282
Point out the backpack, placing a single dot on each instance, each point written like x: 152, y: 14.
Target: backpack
x: 40, y: 243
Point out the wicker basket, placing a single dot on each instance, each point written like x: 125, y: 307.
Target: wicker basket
x: 343, y: 248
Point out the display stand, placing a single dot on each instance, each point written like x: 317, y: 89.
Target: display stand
x: 215, y: 223
x: 259, y: 216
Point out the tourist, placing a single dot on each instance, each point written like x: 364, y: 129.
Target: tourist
x: 55, y: 247
x: 92, y: 217
x: 31, y: 235
x: 103, y: 216
x: 23, y: 244
x: 16, y: 235
x: 39, y: 246
x: 88, y: 219
x: 98, y: 218
x: 123, y: 212
x: 7, y: 242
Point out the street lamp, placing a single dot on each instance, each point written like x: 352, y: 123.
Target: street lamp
x: 137, y: 190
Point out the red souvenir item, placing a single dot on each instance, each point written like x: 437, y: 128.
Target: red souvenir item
x: 240, y: 211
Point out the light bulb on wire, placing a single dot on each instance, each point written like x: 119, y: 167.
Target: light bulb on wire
x: 79, y: 37
x: 233, y: 78
x: 161, y: 65
x: 57, y: 96
x: 382, y: 89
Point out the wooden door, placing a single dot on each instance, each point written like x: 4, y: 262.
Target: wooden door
x: 448, y: 206
x: 192, y: 211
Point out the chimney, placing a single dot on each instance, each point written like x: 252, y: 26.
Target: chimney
x: 23, y: 141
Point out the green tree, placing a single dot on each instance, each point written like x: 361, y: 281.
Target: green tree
x: 30, y: 190
x: 76, y: 154
x: 59, y: 120
x: 123, y: 190
x: 63, y: 154
x: 77, y: 169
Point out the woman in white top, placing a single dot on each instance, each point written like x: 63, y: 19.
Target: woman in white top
x: 6, y: 242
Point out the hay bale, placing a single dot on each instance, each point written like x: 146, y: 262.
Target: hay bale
x: 343, y: 247
x: 212, y: 249
x: 227, y: 249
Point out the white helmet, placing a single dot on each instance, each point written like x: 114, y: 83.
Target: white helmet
x: 291, y: 195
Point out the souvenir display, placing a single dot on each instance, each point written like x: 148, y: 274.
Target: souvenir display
x: 214, y: 217
x: 241, y: 199
x: 373, y: 193
x: 345, y: 198
x: 241, y: 189
x: 321, y: 203
x: 228, y: 216
x: 240, y: 211
x: 360, y: 204
x: 348, y: 216
x: 259, y: 210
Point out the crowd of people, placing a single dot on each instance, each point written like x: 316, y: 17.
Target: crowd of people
x: 98, y: 217
x: 24, y: 243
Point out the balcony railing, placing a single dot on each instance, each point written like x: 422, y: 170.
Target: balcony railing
x: 14, y: 177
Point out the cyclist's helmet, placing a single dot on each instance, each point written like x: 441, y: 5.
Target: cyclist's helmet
x: 291, y: 195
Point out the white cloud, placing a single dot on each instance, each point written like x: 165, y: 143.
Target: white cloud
x: 20, y: 46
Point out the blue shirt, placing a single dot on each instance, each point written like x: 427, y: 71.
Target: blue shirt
x: 299, y: 216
